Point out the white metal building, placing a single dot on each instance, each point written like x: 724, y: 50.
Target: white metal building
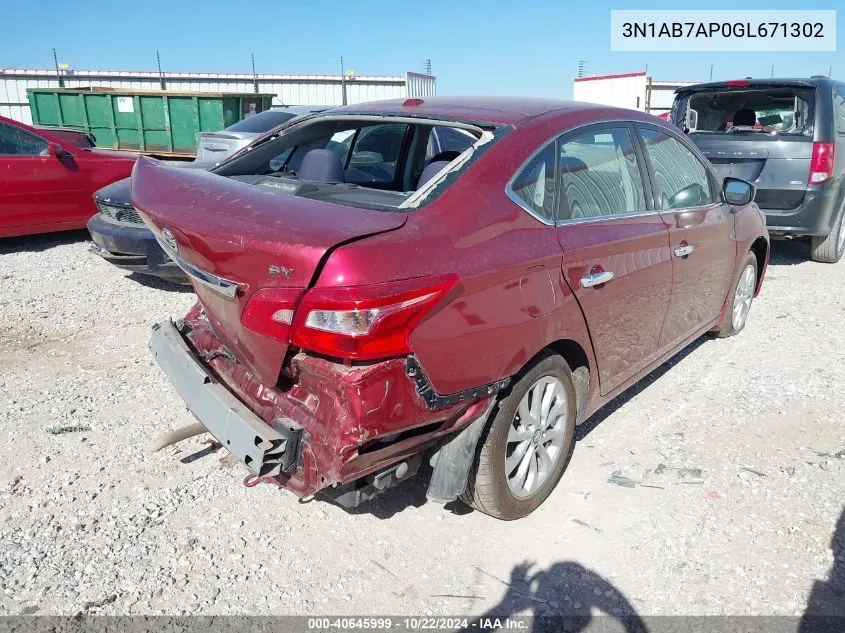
x: 636, y: 91
x: 289, y: 89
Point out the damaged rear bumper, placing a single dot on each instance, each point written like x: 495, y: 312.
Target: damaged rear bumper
x: 348, y: 431
x: 266, y: 450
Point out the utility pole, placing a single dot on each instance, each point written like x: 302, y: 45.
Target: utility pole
x: 829, y: 71
x: 582, y: 67
x: 773, y: 72
x: 254, y: 76
x: 160, y: 74
x: 58, y: 72
x: 428, y: 67
x: 342, y: 81
x: 711, y: 72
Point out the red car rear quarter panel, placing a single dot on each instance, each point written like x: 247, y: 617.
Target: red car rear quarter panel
x: 512, y: 300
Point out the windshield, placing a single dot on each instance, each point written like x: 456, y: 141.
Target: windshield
x: 261, y: 122
x: 767, y: 110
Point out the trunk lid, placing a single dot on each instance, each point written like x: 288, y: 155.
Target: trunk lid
x: 215, y: 146
x: 233, y: 238
x: 777, y: 166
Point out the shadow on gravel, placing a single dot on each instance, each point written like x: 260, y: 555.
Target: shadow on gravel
x: 789, y: 253
x: 825, y: 611
x: 408, y: 494
x: 41, y: 242
x: 637, y: 388
x: 562, y: 598
x: 159, y: 284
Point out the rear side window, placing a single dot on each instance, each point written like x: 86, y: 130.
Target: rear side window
x: 534, y: 186
x: 448, y: 139
x: 599, y: 176
x: 375, y: 152
x: 839, y: 109
x: 681, y: 181
x: 17, y: 142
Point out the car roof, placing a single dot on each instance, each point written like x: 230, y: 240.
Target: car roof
x: 491, y: 110
x: 807, y: 82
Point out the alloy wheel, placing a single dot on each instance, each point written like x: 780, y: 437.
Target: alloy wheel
x: 742, y: 298
x: 536, y: 435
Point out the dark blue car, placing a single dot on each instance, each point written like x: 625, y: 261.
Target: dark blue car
x: 121, y: 238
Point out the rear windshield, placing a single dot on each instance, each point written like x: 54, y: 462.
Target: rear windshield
x: 768, y: 110
x: 261, y: 122
x: 375, y: 163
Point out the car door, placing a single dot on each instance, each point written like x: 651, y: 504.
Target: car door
x: 615, y: 247
x: 40, y: 189
x: 700, y: 233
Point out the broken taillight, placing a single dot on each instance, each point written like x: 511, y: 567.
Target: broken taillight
x: 270, y: 312
x: 821, y: 164
x: 366, y: 322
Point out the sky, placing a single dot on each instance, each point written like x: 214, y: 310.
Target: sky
x: 476, y: 47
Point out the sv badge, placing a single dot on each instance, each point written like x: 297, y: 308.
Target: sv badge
x: 280, y: 271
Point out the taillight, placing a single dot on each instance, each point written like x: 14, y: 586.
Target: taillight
x: 270, y: 312
x: 366, y: 322
x: 821, y: 165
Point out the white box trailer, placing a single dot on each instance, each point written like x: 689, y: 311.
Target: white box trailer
x: 636, y: 91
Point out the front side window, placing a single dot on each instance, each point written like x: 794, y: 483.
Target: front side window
x: 534, y: 185
x: 17, y: 142
x: 681, y: 181
x: 599, y: 176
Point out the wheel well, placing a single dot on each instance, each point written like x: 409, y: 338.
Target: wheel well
x: 576, y: 358
x: 760, y: 247
x: 572, y: 353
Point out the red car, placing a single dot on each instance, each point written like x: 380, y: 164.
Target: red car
x: 48, y: 178
x: 367, y: 306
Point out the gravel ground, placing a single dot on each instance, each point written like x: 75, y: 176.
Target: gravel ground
x: 712, y: 487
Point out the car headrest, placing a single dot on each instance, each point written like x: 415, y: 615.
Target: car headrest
x: 321, y: 165
x: 745, y: 117
x: 430, y: 171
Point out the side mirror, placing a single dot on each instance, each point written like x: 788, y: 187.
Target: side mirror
x: 737, y: 192
x: 57, y: 151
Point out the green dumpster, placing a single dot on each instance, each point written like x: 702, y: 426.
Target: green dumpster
x: 151, y: 122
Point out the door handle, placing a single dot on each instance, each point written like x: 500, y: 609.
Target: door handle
x: 683, y: 251
x: 596, y: 279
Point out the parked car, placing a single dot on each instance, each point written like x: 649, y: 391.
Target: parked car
x: 48, y: 177
x: 368, y: 308
x: 121, y: 238
x: 787, y: 137
x: 214, y: 147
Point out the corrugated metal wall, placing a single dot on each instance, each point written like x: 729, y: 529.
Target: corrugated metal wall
x: 289, y: 89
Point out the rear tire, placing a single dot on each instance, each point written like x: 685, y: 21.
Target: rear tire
x: 518, y: 437
x: 741, y: 298
x: 829, y: 249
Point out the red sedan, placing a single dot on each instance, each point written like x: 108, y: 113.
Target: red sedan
x: 48, y: 178
x: 368, y: 306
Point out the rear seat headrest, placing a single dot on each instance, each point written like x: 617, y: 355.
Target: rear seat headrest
x: 321, y: 165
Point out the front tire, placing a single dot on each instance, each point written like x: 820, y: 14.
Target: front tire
x: 829, y: 249
x: 527, y: 444
x: 742, y: 295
